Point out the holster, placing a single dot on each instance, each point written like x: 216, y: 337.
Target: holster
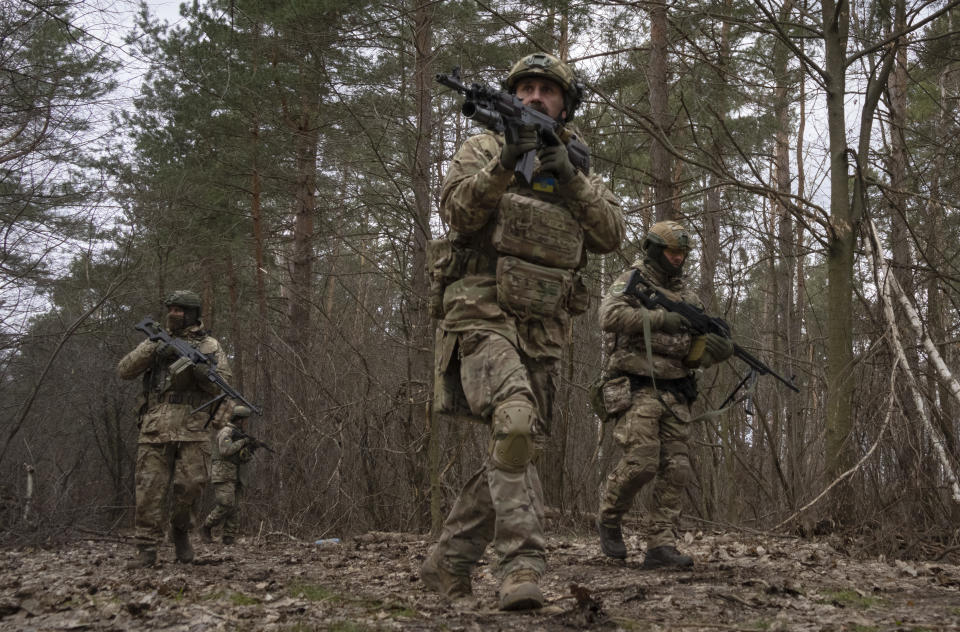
x: 448, y: 396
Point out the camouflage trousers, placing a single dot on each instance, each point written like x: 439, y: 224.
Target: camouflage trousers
x: 171, y: 474
x: 498, y: 506
x: 227, y: 496
x: 654, y: 444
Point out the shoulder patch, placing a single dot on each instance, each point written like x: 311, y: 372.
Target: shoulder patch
x: 618, y: 287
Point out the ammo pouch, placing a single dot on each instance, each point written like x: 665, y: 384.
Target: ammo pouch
x: 609, y: 398
x: 526, y: 289
x: 537, y: 231
x: 439, y: 260
x: 617, y: 395
x: 179, y: 376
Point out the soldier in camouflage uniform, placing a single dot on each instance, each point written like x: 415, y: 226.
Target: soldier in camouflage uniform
x: 509, y: 281
x: 231, y: 454
x: 649, y: 394
x: 173, y: 452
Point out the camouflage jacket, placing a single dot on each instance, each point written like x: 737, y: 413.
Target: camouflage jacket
x: 472, y: 196
x: 229, y: 456
x: 166, y: 408
x: 621, y: 318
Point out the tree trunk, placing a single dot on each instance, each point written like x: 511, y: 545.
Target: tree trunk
x: 661, y: 162
x: 841, y: 241
x: 420, y: 338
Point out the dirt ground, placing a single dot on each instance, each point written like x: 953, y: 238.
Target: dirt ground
x: 371, y: 583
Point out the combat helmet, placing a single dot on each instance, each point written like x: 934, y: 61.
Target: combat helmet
x: 547, y: 66
x: 666, y: 234
x: 239, y: 413
x: 189, y: 301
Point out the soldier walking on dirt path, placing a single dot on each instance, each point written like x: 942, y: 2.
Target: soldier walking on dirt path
x: 506, y: 282
x: 648, y: 391
x: 232, y: 451
x: 173, y: 447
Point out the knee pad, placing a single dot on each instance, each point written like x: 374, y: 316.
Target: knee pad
x: 512, y: 447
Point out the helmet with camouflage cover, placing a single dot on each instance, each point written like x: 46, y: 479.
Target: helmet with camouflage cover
x: 666, y: 234
x: 239, y: 413
x: 190, y: 302
x: 669, y: 234
x: 546, y: 66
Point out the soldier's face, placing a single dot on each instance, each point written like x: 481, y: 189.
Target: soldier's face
x: 675, y: 256
x: 543, y: 95
x: 176, y: 318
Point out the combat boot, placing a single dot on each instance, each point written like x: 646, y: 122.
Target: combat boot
x: 228, y: 539
x: 146, y: 558
x: 439, y: 579
x: 206, y: 534
x: 520, y: 590
x: 666, y: 557
x: 182, y: 546
x: 611, y: 541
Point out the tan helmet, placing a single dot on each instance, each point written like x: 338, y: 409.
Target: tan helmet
x: 668, y: 234
x: 239, y: 413
x: 547, y: 66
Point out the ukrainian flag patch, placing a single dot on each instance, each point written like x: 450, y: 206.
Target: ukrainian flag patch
x: 544, y: 184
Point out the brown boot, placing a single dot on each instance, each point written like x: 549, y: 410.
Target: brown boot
x: 206, y: 534
x: 439, y: 579
x: 520, y: 591
x: 146, y: 558
x: 182, y: 546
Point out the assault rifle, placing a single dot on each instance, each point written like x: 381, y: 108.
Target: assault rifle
x: 700, y: 323
x: 185, y: 350
x: 254, y: 443
x: 503, y: 113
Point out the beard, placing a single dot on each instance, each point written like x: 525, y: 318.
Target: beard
x: 539, y: 107
x: 175, y: 323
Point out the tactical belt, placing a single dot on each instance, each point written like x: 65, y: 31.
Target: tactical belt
x: 174, y: 397
x: 685, y: 387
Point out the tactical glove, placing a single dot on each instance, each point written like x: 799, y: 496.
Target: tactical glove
x: 719, y: 347
x: 668, y: 322
x: 514, y: 149
x: 165, y: 353
x: 708, y: 350
x: 555, y: 159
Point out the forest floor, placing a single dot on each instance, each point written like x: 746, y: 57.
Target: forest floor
x: 371, y: 582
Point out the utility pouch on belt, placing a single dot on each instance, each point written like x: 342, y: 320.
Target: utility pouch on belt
x: 439, y: 256
x: 448, y: 397
x: 617, y: 395
x: 525, y: 288
x: 537, y: 231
